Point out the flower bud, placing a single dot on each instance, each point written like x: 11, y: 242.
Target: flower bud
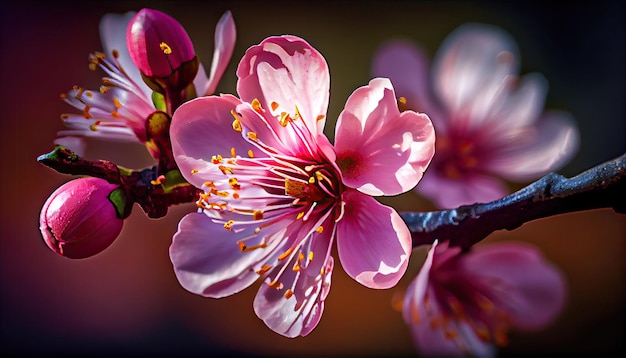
x: 82, y: 217
x: 158, y: 44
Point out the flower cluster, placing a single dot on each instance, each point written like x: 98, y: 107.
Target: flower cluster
x: 274, y: 195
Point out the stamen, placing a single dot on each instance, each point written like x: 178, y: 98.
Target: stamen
x: 234, y: 183
x: 263, y: 269
x: 257, y: 215
x: 194, y: 171
x: 250, y: 153
x: 86, y: 112
x: 274, y: 105
x: 288, y: 293
x: 117, y: 103
x: 256, y: 105
x: 245, y: 248
x: 284, y: 119
x: 94, y: 126
x: 165, y: 48
x: 285, y: 254
x: 320, y: 229
x: 216, y: 159
x: 236, y: 122
x: 233, y: 152
x: 252, y: 136
x: 229, y: 226
x: 320, y: 117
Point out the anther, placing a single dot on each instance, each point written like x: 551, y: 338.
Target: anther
x: 252, y: 136
x: 250, y: 153
x: 274, y: 105
x: 165, y: 48
x: 229, y: 226
x: 288, y: 293
x: 257, y: 215
x: 256, y: 105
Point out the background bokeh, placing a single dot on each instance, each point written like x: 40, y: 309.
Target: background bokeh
x: 127, y: 300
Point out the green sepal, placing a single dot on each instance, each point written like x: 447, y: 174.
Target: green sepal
x: 173, y: 179
x: 159, y: 101
x: 118, y: 198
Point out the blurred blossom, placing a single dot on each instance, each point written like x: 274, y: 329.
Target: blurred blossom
x: 464, y: 303
x: 277, y: 193
x: 121, y: 108
x: 489, y: 122
x: 82, y: 217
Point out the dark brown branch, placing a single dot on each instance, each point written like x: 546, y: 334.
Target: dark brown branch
x: 603, y: 186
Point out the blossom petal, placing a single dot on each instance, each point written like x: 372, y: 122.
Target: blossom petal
x: 207, y: 260
x: 113, y: 37
x: 470, y: 68
x: 286, y: 74
x: 380, y: 150
x: 405, y: 64
x: 469, y: 189
x: 535, y: 289
x: 534, y: 152
x: 225, y: 36
x: 287, y: 316
x: 373, y: 242
x: 202, y: 128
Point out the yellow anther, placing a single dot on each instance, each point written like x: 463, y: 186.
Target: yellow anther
x: 256, y: 105
x: 117, y: 103
x: 257, y: 215
x: 236, y: 122
x: 89, y: 94
x: 115, y: 114
x: 194, y: 171
x: 244, y: 248
x: 252, y: 136
x: 320, y: 117
x: 320, y: 229
x: 274, y: 105
x: 402, y: 100
x: 216, y: 159
x: 165, y: 48
x: 104, y: 89
x: 209, y: 184
x: 263, y: 269
x: 94, y: 126
x: 311, y: 180
x: 250, y: 153
x: 319, y: 176
x: 284, y: 119
x: 300, y: 215
x: 234, y: 183
x: 235, y: 195
x: 225, y: 169
x: 288, y: 293
x: 295, y: 188
x: 229, y: 226
x: 233, y: 152
x: 311, y: 255
x: 297, y: 115
x: 285, y: 254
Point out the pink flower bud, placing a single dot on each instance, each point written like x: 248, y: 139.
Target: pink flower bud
x: 158, y: 44
x: 80, y: 218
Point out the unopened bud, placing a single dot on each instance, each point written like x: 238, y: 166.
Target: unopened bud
x: 82, y: 217
x: 158, y: 44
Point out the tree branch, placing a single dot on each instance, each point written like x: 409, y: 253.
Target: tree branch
x: 603, y: 186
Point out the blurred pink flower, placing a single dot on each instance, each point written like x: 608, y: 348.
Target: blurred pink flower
x: 277, y: 193
x: 119, y: 109
x: 489, y: 122
x: 464, y: 303
x: 82, y: 217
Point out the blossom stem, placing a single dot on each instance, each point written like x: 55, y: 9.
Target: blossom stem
x: 603, y: 186
x: 146, y: 187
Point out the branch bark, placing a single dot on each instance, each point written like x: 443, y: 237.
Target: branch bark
x: 603, y: 186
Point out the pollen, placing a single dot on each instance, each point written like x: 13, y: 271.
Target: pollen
x: 165, y: 48
x: 236, y: 122
x: 217, y: 159
x: 194, y: 171
x: 229, y: 226
x: 311, y: 180
x: 288, y: 293
x: 250, y: 153
x: 320, y: 229
x: 284, y: 119
x: 256, y: 105
x: 252, y: 136
x: 300, y: 215
x: 234, y: 183
x: 311, y: 255
x: 295, y: 188
x: 225, y: 169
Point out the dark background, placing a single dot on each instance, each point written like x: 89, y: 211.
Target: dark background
x: 127, y: 299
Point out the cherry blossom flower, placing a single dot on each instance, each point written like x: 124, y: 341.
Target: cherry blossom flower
x: 121, y: 108
x: 278, y: 194
x: 82, y: 217
x: 489, y: 121
x: 464, y: 303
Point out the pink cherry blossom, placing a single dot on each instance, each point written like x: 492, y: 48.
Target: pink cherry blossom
x: 464, y: 303
x: 119, y: 109
x: 278, y: 194
x: 489, y: 121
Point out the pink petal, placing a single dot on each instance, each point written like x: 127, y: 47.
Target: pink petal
x: 225, y: 36
x: 535, y: 289
x: 539, y: 150
x: 470, y: 67
x: 380, y: 150
x: 289, y: 72
x: 284, y: 315
x: 207, y: 260
x: 405, y: 64
x: 113, y: 37
x: 202, y: 128
x: 449, y: 193
x: 373, y: 242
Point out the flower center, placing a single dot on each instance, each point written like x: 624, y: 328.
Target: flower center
x: 456, y: 156
x: 350, y: 163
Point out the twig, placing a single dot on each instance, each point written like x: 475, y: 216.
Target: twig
x: 603, y: 186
